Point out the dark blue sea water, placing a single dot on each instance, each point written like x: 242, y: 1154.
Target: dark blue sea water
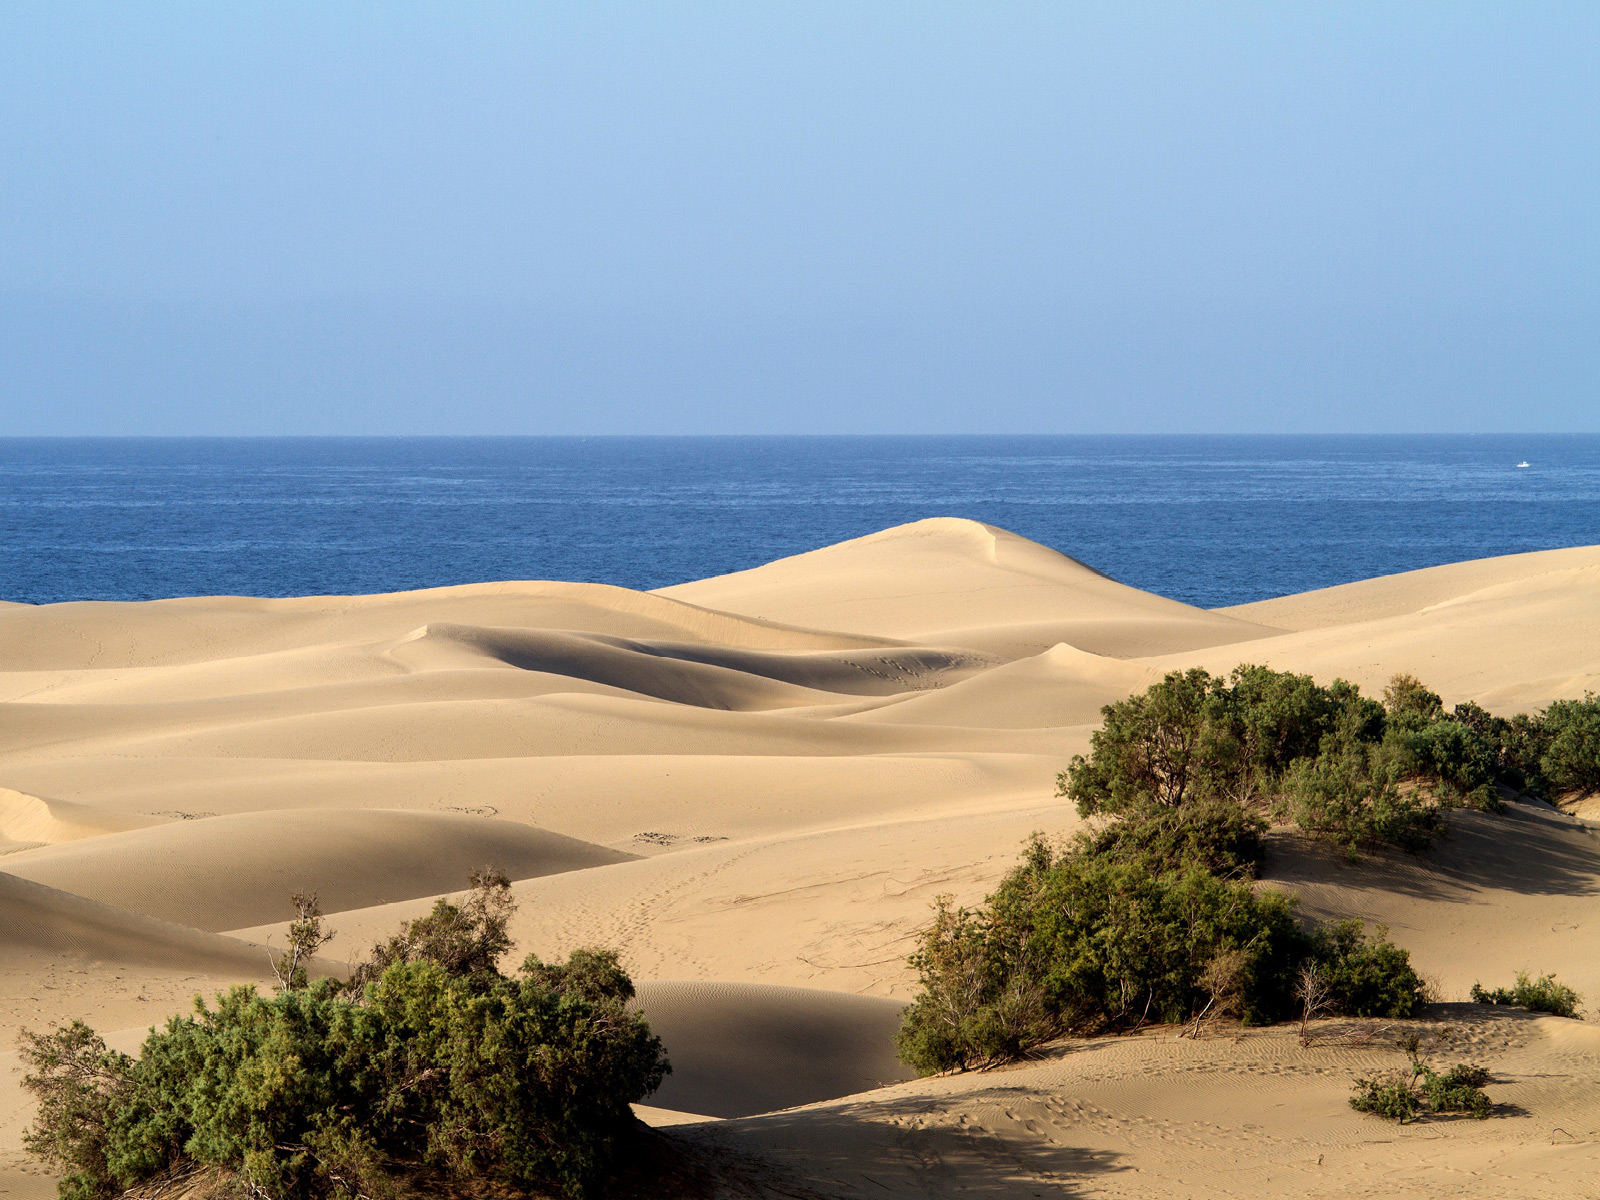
x: 1209, y: 520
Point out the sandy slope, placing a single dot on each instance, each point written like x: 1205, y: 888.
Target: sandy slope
x: 351, y: 859
x: 1511, y: 633
x: 753, y: 787
x: 953, y: 582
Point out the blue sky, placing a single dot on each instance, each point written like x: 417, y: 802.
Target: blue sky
x: 798, y: 218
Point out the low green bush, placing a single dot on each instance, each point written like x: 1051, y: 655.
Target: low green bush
x: 1087, y: 941
x: 1366, y: 976
x: 1340, y: 765
x: 1570, y: 756
x: 442, y: 1067
x: 1551, y: 754
x: 1351, y: 795
x: 1543, y: 994
x: 1416, y: 1090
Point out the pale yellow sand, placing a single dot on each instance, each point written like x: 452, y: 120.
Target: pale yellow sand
x: 753, y: 787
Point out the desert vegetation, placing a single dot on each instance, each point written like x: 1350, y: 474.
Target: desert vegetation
x: 1416, y: 1090
x: 430, y: 1066
x: 1154, y: 915
x: 1543, y: 994
x: 1086, y: 940
x: 1341, y: 766
x: 1553, y: 753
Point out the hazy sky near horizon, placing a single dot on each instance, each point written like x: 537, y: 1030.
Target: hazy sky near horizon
x: 798, y: 218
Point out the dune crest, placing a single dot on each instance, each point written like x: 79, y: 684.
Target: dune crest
x: 28, y: 821
x: 221, y: 873
x: 948, y: 581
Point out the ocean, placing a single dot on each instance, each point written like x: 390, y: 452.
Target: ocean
x: 1209, y: 520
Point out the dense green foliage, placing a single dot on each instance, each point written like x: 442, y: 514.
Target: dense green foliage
x: 1219, y: 835
x: 1104, y: 936
x: 1340, y: 765
x: 1569, y: 746
x: 1552, y: 754
x: 439, y: 1063
x: 1543, y: 994
x: 1417, y: 1089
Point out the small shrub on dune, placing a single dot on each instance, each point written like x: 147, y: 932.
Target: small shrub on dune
x: 1340, y: 765
x: 1088, y: 941
x: 1570, y: 759
x: 1551, y: 754
x: 1366, y: 976
x: 1543, y: 994
x: 437, y: 1069
x: 1351, y: 795
x: 1157, y: 749
x: 978, y: 1006
x: 465, y: 939
x: 1417, y: 1089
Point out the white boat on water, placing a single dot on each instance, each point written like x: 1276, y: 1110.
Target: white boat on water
x: 1520, y: 465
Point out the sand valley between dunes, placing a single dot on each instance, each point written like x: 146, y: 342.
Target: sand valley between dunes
x: 753, y: 787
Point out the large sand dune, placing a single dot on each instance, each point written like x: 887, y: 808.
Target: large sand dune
x: 754, y: 787
x: 952, y: 582
x: 351, y: 859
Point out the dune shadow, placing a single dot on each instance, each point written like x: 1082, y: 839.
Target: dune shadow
x: 1530, y: 848
x: 908, y: 1147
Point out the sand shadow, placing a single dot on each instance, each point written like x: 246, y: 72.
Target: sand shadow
x: 1530, y: 848
x: 889, y: 1147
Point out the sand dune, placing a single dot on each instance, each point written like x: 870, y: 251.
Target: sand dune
x: 1511, y: 633
x: 28, y: 821
x: 610, y: 799
x: 37, y: 918
x: 945, y: 581
x: 226, y: 872
x: 565, y: 723
x: 1059, y: 688
x: 1410, y: 591
x: 754, y: 787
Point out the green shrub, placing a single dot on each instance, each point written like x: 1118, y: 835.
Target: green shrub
x: 1570, y: 757
x: 1392, y: 1095
x: 1410, y: 704
x: 1351, y: 795
x: 1366, y: 976
x: 464, y: 939
x: 1340, y: 765
x: 1153, y: 916
x: 1119, y: 945
x: 1219, y: 835
x: 1543, y: 994
x: 1158, y: 748
x: 980, y: 1004
x: 80, y: 1084
x: 1089, y: 941
x: 1554, y: 752
x: 1406, y: 1094
x: 447, y: 1068
x: 1276, y: 717
x: 1457, y: 762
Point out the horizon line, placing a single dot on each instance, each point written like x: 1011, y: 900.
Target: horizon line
x: 400, y: 437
